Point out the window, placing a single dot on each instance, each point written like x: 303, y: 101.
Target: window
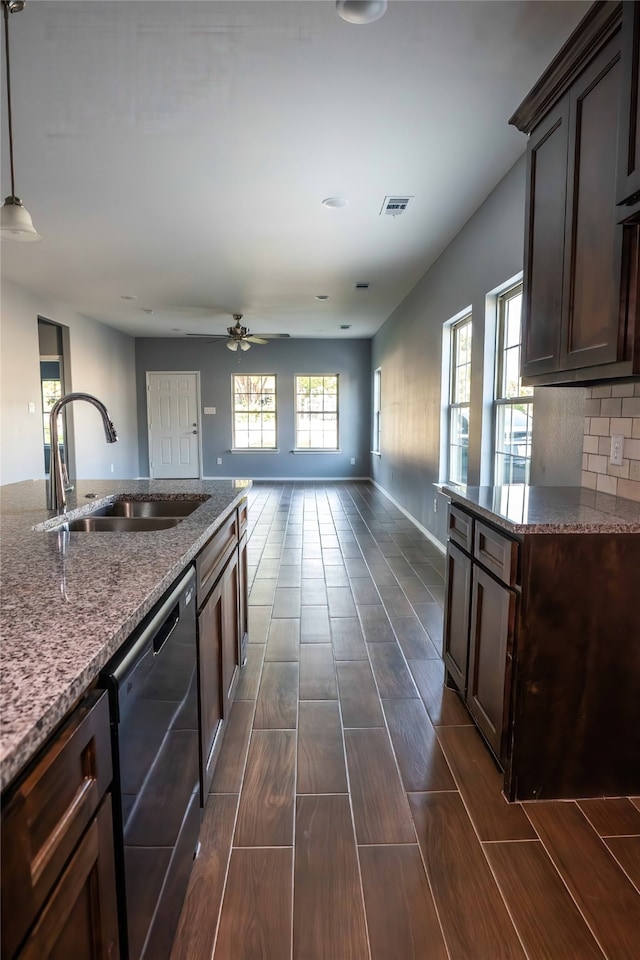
x: 317, y: 412
x: 459, y: 400
x: 377, y: 403
x: 514, y: 403
x: 254, y: 412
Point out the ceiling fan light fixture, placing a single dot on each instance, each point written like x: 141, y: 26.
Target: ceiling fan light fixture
x: 232, y: 344
x: 15, y: 219
x: 361, y: 11
x: 244, y: 345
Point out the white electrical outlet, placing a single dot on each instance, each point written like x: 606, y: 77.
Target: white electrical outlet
x: 435, y: 504
x: 353, y: 461
x: 219, y: 461
x: 32, y: 407
x: 111, y: 468
x: 617, y: 444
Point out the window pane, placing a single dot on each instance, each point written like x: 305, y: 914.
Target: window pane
x: 458, y: 444
x: 514, y: 423
x: 316, y: 412
x: 254, y: 411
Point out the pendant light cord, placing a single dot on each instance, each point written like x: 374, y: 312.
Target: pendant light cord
x: 5, y: 4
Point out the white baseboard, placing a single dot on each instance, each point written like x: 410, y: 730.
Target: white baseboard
x: 427, y: 533
x: 290, y: 479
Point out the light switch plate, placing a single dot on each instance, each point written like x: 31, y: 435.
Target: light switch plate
x: 209, y: 409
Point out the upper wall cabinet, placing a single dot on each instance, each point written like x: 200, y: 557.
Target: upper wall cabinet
x: 629, y: 148
x: 581, y: 266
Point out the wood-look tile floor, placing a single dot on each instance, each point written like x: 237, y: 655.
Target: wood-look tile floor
x: 355, y: 813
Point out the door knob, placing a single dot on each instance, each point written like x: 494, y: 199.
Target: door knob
x: 194, y: 431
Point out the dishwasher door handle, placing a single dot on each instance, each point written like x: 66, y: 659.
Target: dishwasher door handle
x: 166, y: 630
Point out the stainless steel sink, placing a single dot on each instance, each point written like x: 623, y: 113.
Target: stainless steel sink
x: 129, y: 515
x: 126, y: 524
x: 148, y: 508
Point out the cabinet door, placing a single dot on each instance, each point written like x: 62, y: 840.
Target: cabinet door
x: 629, y: 149
x: 491, y: 641
x: 593, y: 239
x: 456, y: 616
x: 243, y: 603
x: 210, y: 627
x: 230, y: 632
x: 544, y: 242
x: 80, y: 918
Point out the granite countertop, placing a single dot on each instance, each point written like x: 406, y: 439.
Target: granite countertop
x: 69, y: 601
x: 523, y: 509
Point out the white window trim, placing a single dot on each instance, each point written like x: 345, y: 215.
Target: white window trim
x: 235, y: 449
x: 377, y: 412
x: 499, y: 401
x: 296, y: 448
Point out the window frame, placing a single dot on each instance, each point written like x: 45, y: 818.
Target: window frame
x: 261, y: 449
x: 296, y: 413
x: 377, y: 411
x: 454, y: 405
x: 502, y: 399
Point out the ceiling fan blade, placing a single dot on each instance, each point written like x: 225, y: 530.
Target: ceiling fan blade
x: 253, y: 339
x: 275, y: 336
x: 211, y: 336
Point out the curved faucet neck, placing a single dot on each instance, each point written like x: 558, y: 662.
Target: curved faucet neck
x: 56, y: 495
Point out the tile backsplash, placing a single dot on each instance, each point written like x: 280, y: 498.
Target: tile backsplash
x: 612, y: 410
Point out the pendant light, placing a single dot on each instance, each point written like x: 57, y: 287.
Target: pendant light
x: 361, y: 11
x: 15, y: 221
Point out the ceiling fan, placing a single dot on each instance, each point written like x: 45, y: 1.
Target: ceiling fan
x: 239, y: 337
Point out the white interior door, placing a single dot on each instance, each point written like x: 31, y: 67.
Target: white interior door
x: 173, y: 414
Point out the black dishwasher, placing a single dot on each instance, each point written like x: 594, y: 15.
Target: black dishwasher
x: 152, y: 687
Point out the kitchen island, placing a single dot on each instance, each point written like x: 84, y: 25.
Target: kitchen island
x: 69, y: 601
x: 542, y: 634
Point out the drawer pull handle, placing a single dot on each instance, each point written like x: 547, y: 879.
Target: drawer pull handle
x: 48, y: 849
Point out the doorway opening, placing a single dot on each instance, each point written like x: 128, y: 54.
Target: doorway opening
x: 51, y: 340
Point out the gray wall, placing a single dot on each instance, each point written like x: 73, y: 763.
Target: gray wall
x: 101, y: 362
x: 350, y: 359
x: 485, y: 254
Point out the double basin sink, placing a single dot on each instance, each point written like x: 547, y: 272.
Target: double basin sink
x: 130, y: 516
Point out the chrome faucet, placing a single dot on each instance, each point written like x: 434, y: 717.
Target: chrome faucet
x: 56, y: 494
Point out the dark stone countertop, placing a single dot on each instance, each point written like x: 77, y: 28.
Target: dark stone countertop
x: 69, y: 601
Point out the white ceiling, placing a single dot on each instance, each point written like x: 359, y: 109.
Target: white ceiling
x: 179, y: 151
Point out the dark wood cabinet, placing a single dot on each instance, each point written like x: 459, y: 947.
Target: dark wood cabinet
x: 490, y: 645
x: 629, y: 142
x: 58, y: 875
x: 479, y: 620
x: 80, y: 918
x: 230, y: 632
x: 456, y: 613
x: 210, y: 628
x: 580, y: 268
x: 553, y: 667
x: 222, y: 625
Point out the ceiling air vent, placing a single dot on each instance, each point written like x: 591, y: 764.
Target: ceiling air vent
x: 361, y: 286
x: 394, y: 206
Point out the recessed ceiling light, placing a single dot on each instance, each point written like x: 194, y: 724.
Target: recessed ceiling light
x: 146, y: 309
x: 322, y: 296
x: 335, y: 202
x: 345, y: 326
x: 127, y: 296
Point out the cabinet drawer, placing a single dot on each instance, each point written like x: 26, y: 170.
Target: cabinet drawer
x: 461, y: 528
x: 44, y: 819
x: 243, y: 515
x: 497, y: 553
x: 210, y: 562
